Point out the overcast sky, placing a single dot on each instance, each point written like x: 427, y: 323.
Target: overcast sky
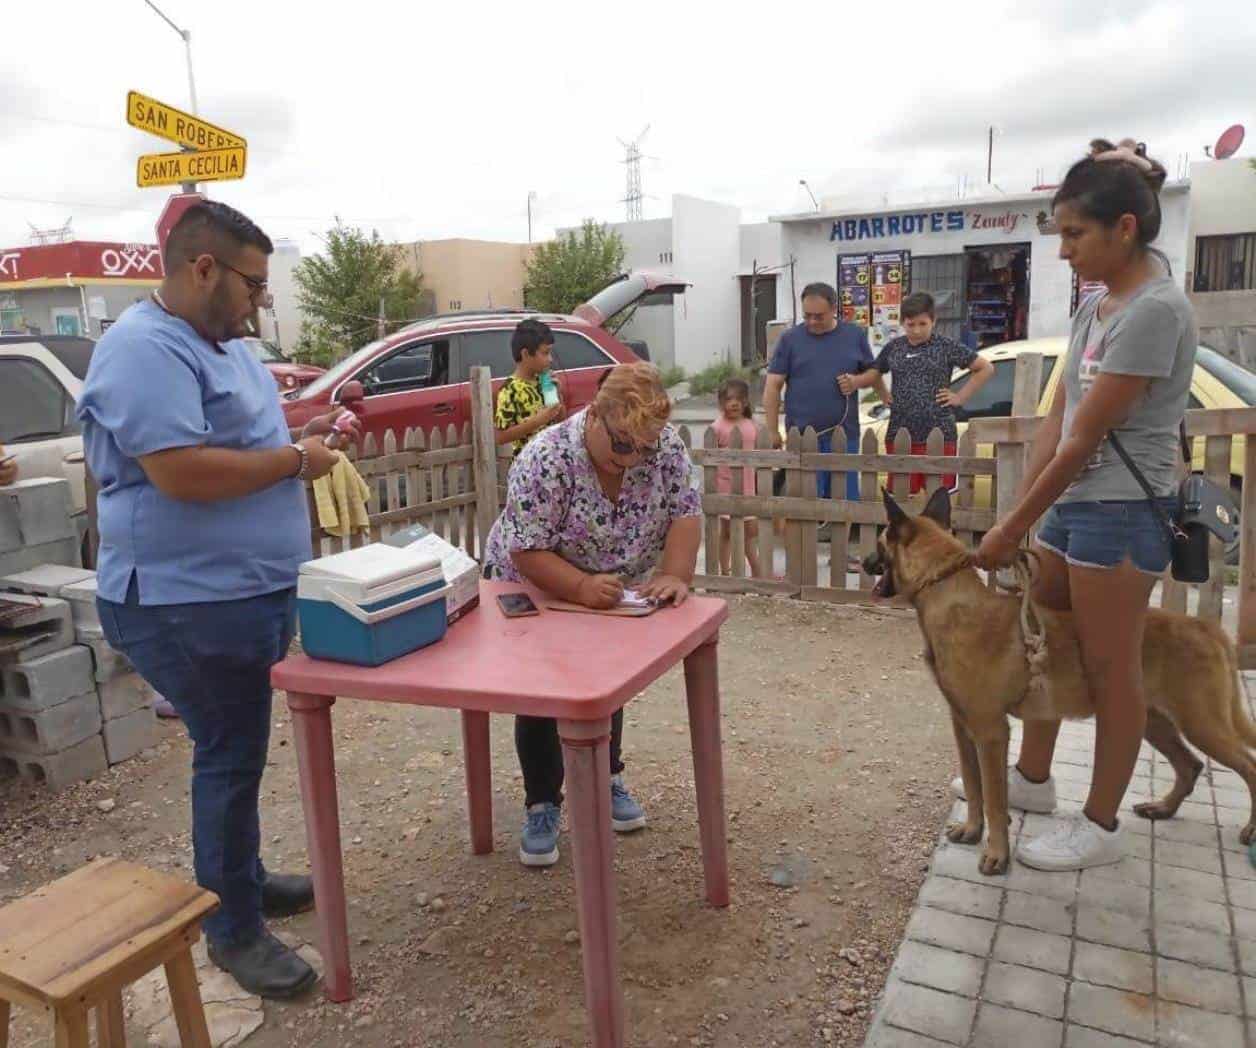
x: 435, y: 120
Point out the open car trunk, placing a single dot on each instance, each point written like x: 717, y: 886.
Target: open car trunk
x: 629, y: 289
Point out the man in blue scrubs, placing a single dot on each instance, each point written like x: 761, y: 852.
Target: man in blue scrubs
x: 203, y: 524
x: 807, y: 362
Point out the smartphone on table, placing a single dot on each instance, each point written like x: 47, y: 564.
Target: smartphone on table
x: 516, y: 605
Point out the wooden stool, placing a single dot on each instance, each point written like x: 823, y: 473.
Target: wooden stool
x: 74, y: 944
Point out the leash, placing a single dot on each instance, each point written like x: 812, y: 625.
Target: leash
x: 1033, y: 633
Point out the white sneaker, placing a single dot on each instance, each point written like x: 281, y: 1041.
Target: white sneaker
x: 1075, y: 843
x: 1023, y: 795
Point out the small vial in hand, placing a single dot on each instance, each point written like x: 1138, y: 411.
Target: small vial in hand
x: 340, y: 430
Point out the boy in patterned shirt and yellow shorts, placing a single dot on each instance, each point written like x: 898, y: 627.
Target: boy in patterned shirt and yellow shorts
x: 521, y: 411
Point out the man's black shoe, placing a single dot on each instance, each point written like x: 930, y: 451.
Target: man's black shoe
x: 265, y: 966
x: 284, y: 894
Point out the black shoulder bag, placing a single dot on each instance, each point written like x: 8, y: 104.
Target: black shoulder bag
x: 1202, y: 508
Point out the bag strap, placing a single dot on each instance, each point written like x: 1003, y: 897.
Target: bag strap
x: 1174, y: 531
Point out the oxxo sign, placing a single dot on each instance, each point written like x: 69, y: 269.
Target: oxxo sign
x: 130, y: 260
x: 916, y: 223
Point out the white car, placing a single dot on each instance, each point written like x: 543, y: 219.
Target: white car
x: 41, y: 377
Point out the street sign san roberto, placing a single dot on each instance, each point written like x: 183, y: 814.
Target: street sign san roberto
x: 211, y: 153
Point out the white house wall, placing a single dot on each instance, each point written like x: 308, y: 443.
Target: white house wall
x: 707, y: 251
x: 648, y: 245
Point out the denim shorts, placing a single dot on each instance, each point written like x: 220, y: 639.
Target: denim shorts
x: 1103, y: 534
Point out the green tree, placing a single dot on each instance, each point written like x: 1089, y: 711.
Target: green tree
x: 340, y: 290
x: 570, y: 270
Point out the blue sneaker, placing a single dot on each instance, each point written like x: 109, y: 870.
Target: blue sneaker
x: 539, y: 844
x: 626, y: 814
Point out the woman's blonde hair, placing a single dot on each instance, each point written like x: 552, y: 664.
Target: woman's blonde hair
x: 632, y: 399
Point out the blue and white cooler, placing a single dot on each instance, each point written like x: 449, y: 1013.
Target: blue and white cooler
x: 370, y: 605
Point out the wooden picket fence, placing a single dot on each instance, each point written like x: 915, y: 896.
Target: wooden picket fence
x: 451, y: 481
x: 794, y: 518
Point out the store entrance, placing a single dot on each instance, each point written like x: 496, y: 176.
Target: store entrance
x: 997, y: 294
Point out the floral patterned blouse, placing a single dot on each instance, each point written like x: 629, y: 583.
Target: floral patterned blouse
x: 555, y: 502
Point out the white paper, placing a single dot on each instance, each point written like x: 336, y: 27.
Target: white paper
x: 633, y: 599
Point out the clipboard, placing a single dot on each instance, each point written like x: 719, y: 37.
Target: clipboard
x: 627, y: 613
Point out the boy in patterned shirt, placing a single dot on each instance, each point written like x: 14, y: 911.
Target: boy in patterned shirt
x: 521, y: 411
x: 921, y: 365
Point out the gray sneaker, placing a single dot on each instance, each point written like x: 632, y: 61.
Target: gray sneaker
x: 538, y: 846
x: 626, y: 814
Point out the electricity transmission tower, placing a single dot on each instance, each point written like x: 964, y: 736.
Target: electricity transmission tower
x: 632, y: 161
x: 58, y: 235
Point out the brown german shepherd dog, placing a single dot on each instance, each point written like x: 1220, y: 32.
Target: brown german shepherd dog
x: 975, y: 649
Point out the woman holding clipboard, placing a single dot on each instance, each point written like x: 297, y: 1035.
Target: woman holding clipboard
x: 596, y: 504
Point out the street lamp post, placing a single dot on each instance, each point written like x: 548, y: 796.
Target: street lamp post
x: 186, y: 35
x: 803, y: 182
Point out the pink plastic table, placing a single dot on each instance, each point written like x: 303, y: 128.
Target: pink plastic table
x: 577, y: 668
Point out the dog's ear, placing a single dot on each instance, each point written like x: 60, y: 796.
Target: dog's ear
x: 893, y: 511
x: 938, y: 508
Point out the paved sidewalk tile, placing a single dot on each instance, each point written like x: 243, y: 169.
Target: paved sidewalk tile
x: 1243, y: 893
x: 1125, y: 931
x: 1133, y: 899
x: 958, y: 896
x: 1189, y: 912
x: 1189, y: 856
x: 1192, y: 1027
x: 1106, y: 966
x: 1198, y: 987
x: 940, y: 969
x: 953, y: 931
x: 1114, y: 1011
x: 885, y: 1036
x: 1204, y: 949
x: 1025, y: 988
x: 1033, y: 949
x: 1037, y: 912
x: 1000, y: 1027
x: 1206, y: 886
x: 921, y: 1010
x: 1084, y: 1037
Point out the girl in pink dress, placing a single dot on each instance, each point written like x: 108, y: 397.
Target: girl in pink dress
x: 736, y: 415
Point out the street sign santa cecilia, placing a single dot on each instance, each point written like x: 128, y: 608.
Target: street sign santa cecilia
x: 210, y: 165
x: 175, y: 125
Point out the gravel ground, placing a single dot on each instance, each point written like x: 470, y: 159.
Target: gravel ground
x: 837, y: 754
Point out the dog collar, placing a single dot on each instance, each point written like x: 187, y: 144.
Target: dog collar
x: 944, y: 573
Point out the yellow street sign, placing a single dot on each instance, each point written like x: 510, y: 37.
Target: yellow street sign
x: 211, y: 165
x: 187, y: 130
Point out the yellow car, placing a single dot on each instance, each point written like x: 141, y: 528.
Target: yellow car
x: 1217, y: 383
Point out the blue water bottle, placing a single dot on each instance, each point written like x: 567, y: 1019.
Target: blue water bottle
x: 549, y: 390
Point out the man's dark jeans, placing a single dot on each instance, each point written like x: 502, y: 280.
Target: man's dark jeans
x: 212, y: 661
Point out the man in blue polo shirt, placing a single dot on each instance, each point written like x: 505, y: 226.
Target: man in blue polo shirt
x: 807, y: 362
x: 203, y: 524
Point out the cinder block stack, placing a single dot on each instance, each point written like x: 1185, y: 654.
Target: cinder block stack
x: 70, y: 705
x: 37, y: 525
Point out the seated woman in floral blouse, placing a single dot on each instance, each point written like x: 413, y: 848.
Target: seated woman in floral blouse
x: 594, y: 504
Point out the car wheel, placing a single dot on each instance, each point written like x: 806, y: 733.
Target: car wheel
x: 1232, y: 551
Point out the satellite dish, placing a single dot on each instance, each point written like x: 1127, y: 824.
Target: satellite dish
x: 1229, y: 142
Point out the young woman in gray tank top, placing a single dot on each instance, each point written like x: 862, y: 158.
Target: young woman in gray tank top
x: 1129, y: 365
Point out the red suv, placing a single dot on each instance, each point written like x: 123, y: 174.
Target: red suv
x: 420, y: 376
